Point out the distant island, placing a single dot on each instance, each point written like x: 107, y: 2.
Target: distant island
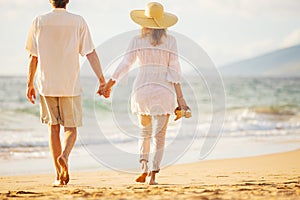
x: 280, y: 63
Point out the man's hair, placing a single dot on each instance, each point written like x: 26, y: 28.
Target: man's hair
x: 59, y: 3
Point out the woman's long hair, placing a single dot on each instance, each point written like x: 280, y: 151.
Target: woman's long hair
x: 156, y: 35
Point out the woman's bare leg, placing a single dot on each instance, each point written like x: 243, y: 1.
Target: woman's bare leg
x: 159, y: 144
x: 145, y: 122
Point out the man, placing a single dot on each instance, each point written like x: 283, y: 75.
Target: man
x: 54, y: 43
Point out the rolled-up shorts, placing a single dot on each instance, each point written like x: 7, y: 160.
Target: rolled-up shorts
x: 66, y: 111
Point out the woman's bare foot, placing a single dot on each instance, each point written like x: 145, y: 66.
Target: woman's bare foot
x: 64, y: 174
x: 141, y: 178
x: 151, y: 178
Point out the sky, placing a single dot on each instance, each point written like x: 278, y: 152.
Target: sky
x: 228, y: 30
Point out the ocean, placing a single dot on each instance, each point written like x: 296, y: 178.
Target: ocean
x: 262, y: 116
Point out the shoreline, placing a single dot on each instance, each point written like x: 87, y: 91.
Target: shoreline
x: 275, y: 176
x: 82, y: 161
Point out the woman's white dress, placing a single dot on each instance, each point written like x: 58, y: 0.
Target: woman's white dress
x: 153, y: 90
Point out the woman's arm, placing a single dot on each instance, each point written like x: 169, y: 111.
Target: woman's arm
x: 180, y: 100
x: 174, y: 74
x: 123, y: 68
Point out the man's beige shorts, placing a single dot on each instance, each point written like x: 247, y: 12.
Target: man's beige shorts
x: 66, y: 111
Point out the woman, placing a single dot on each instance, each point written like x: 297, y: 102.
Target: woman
x: 153, y: 91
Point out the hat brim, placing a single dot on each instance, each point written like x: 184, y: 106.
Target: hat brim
x: 139, y: 17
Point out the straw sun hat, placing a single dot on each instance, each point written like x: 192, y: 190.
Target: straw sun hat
x: 153, y: 17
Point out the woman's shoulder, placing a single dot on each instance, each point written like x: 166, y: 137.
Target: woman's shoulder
x: 137, y: 38
x: 134, y: 40
x: 170, y: 38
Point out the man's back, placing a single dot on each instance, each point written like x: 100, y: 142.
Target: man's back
x: 56, y: 39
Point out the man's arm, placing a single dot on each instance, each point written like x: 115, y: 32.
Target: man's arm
x: 30, y: 91
x: 96, y: 66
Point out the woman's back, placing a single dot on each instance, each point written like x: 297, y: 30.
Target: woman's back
x: 157, y: 55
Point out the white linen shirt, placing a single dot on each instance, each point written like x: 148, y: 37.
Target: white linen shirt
x: 57, y: 38
x: 153, y: 90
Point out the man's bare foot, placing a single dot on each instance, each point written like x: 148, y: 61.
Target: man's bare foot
x: 57, y: 183
x: 151, y: 178
x: 64, y: 175
x: 141, y: 178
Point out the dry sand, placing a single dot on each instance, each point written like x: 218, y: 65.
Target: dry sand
x: 275, y: 176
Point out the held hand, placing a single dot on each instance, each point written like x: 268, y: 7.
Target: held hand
x: 31, y: 94
x: 104, y: 90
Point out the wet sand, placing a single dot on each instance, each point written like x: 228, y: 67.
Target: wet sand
x: 275, y: 176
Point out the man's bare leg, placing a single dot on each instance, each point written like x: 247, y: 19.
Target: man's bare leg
x: 69, y: 141
x: 55, y: 146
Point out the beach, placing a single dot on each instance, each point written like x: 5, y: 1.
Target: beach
x: 273, y: 176
x: 244, y: 161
